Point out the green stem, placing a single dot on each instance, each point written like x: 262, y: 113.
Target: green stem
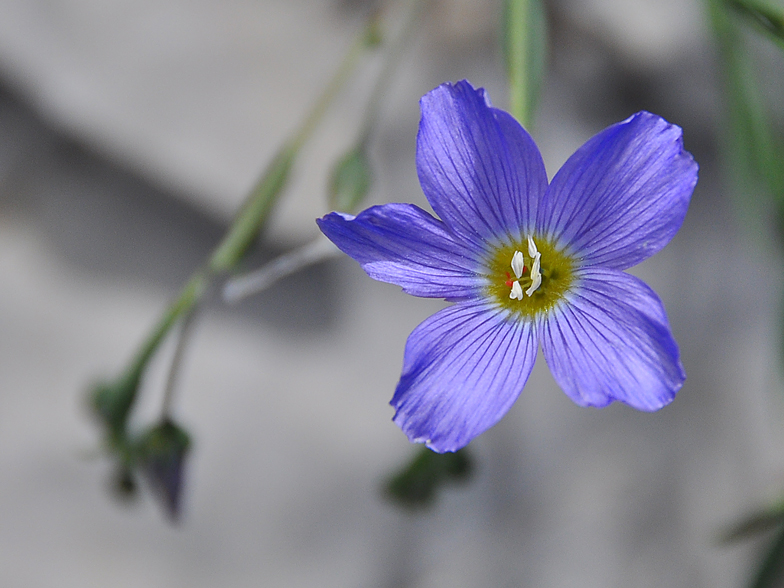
x: 254, y: 212
x: 256, y: 208
x: 524, y: 44
x: 361, y: 43
x: 115, y: 402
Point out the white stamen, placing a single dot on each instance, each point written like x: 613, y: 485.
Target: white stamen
x: 517, y: 291
x: 518, y: 264
x: 536, y: 276
x: 536, y: 279
x: 532, y: 250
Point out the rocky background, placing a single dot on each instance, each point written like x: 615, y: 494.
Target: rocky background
x: 129, y: 133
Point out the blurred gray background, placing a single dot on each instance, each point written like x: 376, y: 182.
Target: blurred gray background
x: 129, y: 133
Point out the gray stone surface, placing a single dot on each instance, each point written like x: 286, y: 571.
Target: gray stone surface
x: 104, y: 211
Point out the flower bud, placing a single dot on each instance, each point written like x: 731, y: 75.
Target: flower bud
x: 162, y: 451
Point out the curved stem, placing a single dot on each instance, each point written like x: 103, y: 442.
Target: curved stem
x: 240, y: 236
x: 128, y: 383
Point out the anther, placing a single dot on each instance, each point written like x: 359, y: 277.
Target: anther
x: 536, y: 276
x: 518, y: 264
x: 517, y: 291
x: 532, y: 250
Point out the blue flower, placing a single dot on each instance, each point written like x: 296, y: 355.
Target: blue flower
x: 526, y: 262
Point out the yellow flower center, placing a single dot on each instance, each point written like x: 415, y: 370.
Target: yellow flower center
x: 530, y: 277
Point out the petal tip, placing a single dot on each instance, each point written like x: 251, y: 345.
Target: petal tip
x: 332, y: 217
x: 461, y: 90
x: 439, y: 445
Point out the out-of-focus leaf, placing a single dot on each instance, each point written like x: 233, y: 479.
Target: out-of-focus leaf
x: 754, y: 151
x: 525, y: 50
x: 767, y: 17
x: 771, y: 570
x: 374, y: 36
x: 417, y: 484
x: 350, y: 181
x: 752, y: 525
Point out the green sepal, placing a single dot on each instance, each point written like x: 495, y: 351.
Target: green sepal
x: 111, y: 404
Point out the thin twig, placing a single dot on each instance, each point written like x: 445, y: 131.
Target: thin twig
x: 290, y: 262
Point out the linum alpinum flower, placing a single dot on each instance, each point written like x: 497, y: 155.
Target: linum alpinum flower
x: 526, y: 263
